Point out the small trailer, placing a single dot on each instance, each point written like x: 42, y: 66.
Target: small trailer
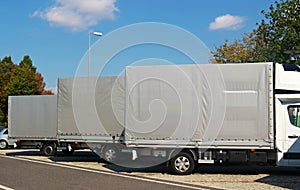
x: 32, y: 121
x: 69, y: 121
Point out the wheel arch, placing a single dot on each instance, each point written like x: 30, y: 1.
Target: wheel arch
x: 173, y: 153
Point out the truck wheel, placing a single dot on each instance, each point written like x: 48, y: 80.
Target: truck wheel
x: 3, y: 144
x: 49, y: 149
x: 110, y: 153
x: 182, y: 164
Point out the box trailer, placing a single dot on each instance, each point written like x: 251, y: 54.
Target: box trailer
x: 87, y: 113
x: 32, y: 121
x: 91, y: 113
x: 214, y: 113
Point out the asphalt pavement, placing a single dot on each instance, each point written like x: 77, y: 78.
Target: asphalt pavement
x: 22, y: 174
x: 28, y: 169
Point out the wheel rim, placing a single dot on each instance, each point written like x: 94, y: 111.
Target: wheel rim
x: 2, y: 144
x: 182, y: 164
x: 49, y: 150
x: 110, y: 154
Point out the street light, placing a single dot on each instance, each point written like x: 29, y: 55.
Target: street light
x: 89, y: 53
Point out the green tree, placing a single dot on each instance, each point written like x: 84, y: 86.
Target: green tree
x: 277, y: 33
x: 240, y: 51
x: 21, y: 79
x: 6, y: 68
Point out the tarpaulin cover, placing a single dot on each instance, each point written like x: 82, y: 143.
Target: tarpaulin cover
x: 91, y: 106
x: 199, y: 103
x: 32, y: 116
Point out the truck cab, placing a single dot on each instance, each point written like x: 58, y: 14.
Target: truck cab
x: 287, y: 114
x: 288, y: 129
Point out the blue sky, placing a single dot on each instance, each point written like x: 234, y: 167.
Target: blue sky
x: 54, y: 33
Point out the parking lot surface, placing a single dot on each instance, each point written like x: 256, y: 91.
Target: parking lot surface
x: 210, y: 176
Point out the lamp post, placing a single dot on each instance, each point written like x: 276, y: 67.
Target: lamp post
x: 89, y: 53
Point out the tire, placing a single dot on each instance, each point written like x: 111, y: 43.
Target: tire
x: 182, y: 164
x: 49, y: 149
x: 3, y: 144
x: 110, y: 153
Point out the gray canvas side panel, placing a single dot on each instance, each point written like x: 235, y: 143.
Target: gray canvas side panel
x: 91, y: 106
x: 32, y: 116
x: 199, y: 103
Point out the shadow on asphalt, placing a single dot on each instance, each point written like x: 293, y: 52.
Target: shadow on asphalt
x: 125, y: 165
x: 141, y: 165
x: 136, y: 169
x: 243, y: 169
x: 23, y: 152
x: 282, y: 180
x: 77, y: 156
x: 283, y: 177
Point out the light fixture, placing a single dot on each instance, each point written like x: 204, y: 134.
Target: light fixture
x: 89, y: 53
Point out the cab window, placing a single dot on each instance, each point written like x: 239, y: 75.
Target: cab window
x: 294, y: 114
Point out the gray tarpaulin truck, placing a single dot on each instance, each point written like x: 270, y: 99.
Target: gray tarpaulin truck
x: 68, y: 120
x: 214, y: 113
x: 32, y: 120
x: 90, y: 113
x: 186, y: 114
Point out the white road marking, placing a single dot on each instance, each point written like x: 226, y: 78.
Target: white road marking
x: 5, y: 188
x: 107, y: 173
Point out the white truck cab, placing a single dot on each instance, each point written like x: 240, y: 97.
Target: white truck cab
x: 288, y: 129
x: 287, y: 114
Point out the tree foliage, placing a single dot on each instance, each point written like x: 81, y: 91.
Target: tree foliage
x: 239, y: 51
x: 274, y: 36
x: 21, y: 79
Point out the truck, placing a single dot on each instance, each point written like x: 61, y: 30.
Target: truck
x: 51, y: 122
x: 214, y: 113
x: 184, y: 115
x: 32, y: 122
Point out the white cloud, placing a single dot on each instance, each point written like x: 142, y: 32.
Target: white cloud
x: 228, y: 22
x: 52, y: 89
x: 78, y: 14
